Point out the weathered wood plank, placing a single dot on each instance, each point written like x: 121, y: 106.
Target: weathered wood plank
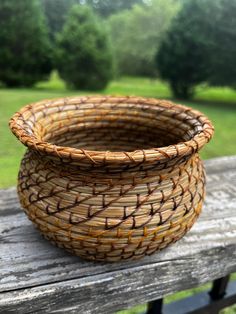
x: 117, y: 290
x: 57, y: 282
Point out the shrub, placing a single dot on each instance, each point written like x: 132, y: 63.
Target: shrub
x: 25, y: 54
x: 200, y: 47
x: 181, y: 59
x: 84, y: 58
x: 223, y: 43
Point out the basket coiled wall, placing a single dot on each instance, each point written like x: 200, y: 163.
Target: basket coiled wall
x: 111, y: 178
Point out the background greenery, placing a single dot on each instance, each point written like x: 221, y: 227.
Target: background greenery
x: 83, y: 54
x: 136, y: 35
x: 171, y: 39
x: 25, y: 50
x: 199, y: 46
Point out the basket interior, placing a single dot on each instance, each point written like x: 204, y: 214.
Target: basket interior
x: 120, y: 128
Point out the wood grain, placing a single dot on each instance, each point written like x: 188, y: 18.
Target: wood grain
x: 36, y: 277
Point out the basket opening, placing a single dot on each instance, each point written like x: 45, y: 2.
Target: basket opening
x: 102, y: 129
x: 105, y: 133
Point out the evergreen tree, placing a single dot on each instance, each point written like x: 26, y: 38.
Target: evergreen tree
x: 84, y: 57
x: 200, y: 47
x: 25, y: 54
x: 222, y: 50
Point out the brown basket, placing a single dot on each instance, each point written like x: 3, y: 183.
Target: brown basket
x: 111, y: 178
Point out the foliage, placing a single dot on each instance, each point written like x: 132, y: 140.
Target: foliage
x: 223, y: 43
x: 56, y: 10
x: 84, y: 56
x: 136, y: 35
x: 200, y: 46
x: 108, y: 7
x: 181, y: 57
x: 25, y: 54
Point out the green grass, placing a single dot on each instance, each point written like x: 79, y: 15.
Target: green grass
x: 221, y: 110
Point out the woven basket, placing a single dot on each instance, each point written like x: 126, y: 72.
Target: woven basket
x: 111, y: 178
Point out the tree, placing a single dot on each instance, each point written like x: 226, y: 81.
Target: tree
x: 136, y: 35
x: 223, y: 44
x: 181, y: 59
x: 25, y: 54
x: 200, y: 47
x: 84, y: 58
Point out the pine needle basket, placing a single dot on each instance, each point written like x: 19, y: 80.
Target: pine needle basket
x: 111, y: 178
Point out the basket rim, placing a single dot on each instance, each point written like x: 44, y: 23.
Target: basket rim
x: 24, y: 133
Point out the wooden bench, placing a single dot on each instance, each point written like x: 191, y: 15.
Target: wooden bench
x: 36, y: 277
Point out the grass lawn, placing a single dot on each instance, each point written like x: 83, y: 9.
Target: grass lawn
x: 221, y: 110
x: 218, y: 103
